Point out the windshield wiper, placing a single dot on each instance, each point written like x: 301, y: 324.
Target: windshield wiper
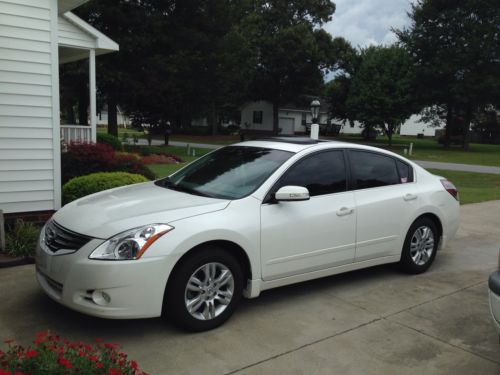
x: 186, y: 189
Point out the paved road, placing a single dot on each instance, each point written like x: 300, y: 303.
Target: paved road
x: 375, y: 321
x: 425, y: 164
x: 458, y: 167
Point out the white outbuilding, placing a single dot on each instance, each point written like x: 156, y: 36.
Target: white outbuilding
x: 36, y: 36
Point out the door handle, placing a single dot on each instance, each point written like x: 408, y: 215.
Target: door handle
x: 410, y: 197
x: 345, y: 211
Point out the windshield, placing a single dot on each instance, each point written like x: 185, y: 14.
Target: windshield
x: 231, y: 172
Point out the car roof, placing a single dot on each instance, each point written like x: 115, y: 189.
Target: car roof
x: 298, y: 144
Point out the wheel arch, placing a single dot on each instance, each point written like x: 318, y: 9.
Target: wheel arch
x: 435, y: 219
x: 231, y: 247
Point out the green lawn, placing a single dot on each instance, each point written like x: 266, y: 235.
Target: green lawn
x: 428, y: 149
x: 473, y: 187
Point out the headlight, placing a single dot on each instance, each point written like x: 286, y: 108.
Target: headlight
x: 130, y: 244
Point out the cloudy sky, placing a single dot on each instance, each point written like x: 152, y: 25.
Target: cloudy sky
x: 367, y: 22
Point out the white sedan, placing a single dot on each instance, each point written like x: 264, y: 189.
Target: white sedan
x: 240, y: 220
x: 494, y: 286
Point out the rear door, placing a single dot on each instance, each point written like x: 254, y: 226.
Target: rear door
x: 299, y: 237
x: 386, y: 198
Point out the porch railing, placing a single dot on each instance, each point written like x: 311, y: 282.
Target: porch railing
x: 76, y: 133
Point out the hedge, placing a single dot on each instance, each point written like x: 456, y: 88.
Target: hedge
x: 110, y: 140
x: 81, y: 186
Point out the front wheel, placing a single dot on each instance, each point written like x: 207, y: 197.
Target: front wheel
x: 204, y: 290
x: 419, y: 249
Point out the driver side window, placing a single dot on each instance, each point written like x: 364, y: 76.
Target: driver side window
x: 321, y: 173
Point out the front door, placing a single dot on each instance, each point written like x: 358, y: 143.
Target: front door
x: 305, y: 236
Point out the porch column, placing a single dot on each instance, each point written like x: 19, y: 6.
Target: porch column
x: 93, y: 105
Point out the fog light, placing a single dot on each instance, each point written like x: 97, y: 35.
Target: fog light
x: 100, y: 298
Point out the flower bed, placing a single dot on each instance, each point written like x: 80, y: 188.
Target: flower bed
x: 51, y: 354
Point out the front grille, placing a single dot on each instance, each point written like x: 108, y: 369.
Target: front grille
x: 59, y: 238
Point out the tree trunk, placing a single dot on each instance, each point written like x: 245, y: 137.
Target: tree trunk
x: 468, y: 118
x: 389, y: 134
x: 112, y: 115
x: 83, y: 104
x: 213, y: 118
x: 449, y: 126
x: 276, y: 119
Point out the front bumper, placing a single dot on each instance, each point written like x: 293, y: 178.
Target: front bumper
x: 494, y: 293
x: 135, y: 288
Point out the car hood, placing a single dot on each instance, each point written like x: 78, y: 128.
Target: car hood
x: 104, y: 214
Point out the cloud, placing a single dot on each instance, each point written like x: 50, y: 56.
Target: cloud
x: 368, y: 22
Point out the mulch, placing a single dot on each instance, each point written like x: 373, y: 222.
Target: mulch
x: 10, y: 261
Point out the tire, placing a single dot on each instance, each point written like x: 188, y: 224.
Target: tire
x: 212, y: 299
x: 420, y: 246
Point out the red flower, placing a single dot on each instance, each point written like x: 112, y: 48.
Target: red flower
x: 64, y: 362
x: 93, y: 358
x: 134, y: 365
x: 111, y: 346
x: 98, y: 339
x: 81, y: 353
x: 3, y: 372
x: 31, y: 354
x: 99, y: 365
x: 114, y: 371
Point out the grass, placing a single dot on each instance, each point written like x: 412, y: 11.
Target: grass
x: 473, y: 187
x: 162, y: 170
x: 428, y: 149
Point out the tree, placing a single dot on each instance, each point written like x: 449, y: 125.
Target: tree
x: 381, y: 93
x: 455, y: 46
x: 289, y: 51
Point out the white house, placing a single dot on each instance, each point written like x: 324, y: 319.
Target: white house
x: 292, y: 119
x: 412, y: 126
x: 36, y: 36
x: 121, y: 117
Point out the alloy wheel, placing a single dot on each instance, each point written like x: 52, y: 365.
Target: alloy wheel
x: 422, y: 245
x: 209, y: 291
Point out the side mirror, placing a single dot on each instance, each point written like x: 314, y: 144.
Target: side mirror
x: 291, y: 194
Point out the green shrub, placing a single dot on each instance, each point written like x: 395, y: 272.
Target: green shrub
x: 109, y: 140
x: 22, y: 239
x: 81, y: 186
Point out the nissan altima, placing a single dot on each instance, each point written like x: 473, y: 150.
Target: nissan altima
x: 242, y: 219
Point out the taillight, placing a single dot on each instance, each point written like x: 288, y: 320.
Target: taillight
x: 450, y: 188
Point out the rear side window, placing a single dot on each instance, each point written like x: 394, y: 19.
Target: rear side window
x: 370, y: 169
x: 405, y: 172
x: 321, y: 173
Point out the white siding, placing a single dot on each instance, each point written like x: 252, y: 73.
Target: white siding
x: 413, y: 126
x: 27, y: 167
x: 70, y: 35
x: 267, y: 115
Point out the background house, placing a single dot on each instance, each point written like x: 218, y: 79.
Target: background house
x: 292, y: 119
x: 35, y: 37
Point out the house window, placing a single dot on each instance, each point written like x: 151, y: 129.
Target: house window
x: 257, y: 117
x: 304, y: 118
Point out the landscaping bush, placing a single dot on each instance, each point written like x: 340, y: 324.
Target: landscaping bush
x: 110, y: 140
x: 132, y: 164
x: 85, y: 158
x: 152, y: 150
x: 51, y: 354
x: 21, y: 240
x: 81, y: 186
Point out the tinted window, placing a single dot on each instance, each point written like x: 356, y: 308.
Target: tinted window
x: 405, y: 172
x: 370, y: 169
x: 321, y: 173
x: 229, y: 173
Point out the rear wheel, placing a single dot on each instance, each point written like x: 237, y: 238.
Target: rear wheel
x: 419, y: 249
x: 204, y: 290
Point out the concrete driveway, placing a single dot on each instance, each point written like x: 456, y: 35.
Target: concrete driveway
x: 375, y: 321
